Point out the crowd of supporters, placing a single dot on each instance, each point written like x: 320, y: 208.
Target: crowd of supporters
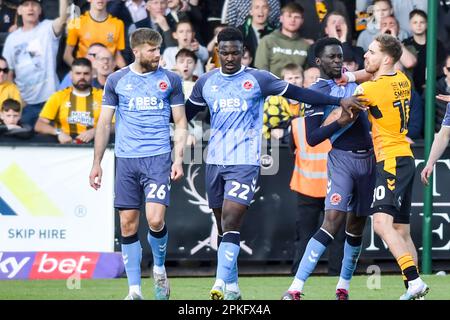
x: 44, y: 44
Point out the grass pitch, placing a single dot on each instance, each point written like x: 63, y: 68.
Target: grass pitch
x: 252, y: 288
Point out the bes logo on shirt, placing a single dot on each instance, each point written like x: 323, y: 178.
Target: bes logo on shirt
x: 230, y: 105
x: 145, y: 103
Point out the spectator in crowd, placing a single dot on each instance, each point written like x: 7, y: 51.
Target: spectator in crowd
x: 334, y: 25
x: 389, y: 25
x: 10, y: 124
x: 130, y: 12
x: 186, y: 61
x: 186, y: 10
x: 7, y: 21
x: 247, y: 58
x: 381, y: 9
x: 95, y: 26
x: 31, y: 54
x: 316, y: 11
x: 402, y: 10
x: 212, y: 10
x: 91, y: 54
x: 417, y: 45
x: 350, y: 63
x: 256, y: 25
x: 283, y: 46
x: 278, y: 110
x: 310, y: 76
x: 159, y: 21
x: 71, y: 115
x: 8, y: 90
x: 236, y: 12
x: 442, y: 88
x: 443, y: 32
x: 103, y: 66
x: 185, y: 36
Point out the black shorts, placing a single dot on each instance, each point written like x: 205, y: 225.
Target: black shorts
x: 393, y: 188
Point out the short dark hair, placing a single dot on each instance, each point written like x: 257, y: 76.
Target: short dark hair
x: 82, y: 62
x: 3, y: 59
x: 11, y: 104
x: 418, y: 12
x: 186, y: 53
x: 293, y: 7
x: 184, y: 20
x: 230, y: 34
x: 322, y: 43
x: 390, y: 45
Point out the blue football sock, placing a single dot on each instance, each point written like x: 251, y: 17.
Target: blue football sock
x: 314, y: 250
x: 352, y: 250
x: 234, y: 271
x: 158, y: 243
x: 132, y: 256
x: 227, y: 257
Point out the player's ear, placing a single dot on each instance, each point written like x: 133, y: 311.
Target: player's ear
x: 318, y: 61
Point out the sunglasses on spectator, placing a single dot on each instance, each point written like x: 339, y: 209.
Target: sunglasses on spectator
x: 5, y: 70
x: 448, y: 68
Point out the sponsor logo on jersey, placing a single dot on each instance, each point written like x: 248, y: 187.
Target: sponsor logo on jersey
x: 145, y: 103
x: 230, y: 105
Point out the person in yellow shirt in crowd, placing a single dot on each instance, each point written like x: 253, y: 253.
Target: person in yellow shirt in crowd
x: 95, y: 26
x: 8, y: 90
x: 72, y: 114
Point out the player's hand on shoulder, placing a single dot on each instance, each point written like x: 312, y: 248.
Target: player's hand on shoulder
x: 353, y: 103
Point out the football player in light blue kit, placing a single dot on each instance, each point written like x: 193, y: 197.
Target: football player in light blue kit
x: 142, y: 96
x: 235, y: 96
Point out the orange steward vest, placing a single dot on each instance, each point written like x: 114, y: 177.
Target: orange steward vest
x: 310, y: 173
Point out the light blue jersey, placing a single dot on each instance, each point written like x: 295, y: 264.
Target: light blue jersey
x: 143, y: 105
x: 236, y: 106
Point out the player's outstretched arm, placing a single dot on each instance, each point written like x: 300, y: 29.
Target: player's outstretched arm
x: 437, y: 149
x: 180, y: 136
x: 101, y: 141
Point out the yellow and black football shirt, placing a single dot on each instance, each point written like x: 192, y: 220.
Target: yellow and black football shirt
x: 388, y: 98
x: 73, y: 113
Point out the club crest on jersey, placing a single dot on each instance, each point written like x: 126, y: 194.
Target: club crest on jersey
x: 247, y: 85
x: 335, y: 199
x: 162, y: 85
